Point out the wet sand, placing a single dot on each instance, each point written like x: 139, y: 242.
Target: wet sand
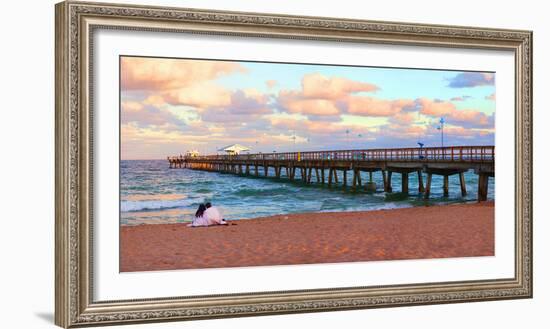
x: 462, y: 230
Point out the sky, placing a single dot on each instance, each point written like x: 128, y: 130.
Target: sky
x: 171, y: 106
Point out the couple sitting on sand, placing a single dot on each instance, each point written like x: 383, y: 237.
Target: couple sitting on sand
x: 208, y: 215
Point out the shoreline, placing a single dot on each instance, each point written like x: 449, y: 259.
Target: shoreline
x: 422, y: 232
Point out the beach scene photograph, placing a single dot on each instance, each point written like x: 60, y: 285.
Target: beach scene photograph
x: 229, y: 163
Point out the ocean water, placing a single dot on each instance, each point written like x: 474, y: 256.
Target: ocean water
x: 151, y: 193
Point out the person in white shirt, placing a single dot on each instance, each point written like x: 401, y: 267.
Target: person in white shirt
x: 207, y: 215
x: 213, y: 215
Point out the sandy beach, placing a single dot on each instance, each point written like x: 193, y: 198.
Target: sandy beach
x: 461, y: 230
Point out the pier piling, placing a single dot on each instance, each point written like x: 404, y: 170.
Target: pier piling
x: 405, y: 183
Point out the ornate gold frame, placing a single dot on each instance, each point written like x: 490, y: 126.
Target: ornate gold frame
x: 75, y: 23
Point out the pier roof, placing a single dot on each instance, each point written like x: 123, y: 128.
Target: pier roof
x: 234, y: 148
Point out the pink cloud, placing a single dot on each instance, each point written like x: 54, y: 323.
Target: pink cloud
x: 148, y: 115
x: 448, y: 110
x: 295, y: 102
x: 271, y: 83
x: 403, y: 118
x: 491, y: 97
x: 155, y: 74
x: 244, y: 106
x: 403, y: 131
x: 200, y: 95
x: 316, y: 85
x: 460, y: 98
x: 370, y: 106
x: 469, y: 116
x: 331, y: 130
x: 435, y: 108
x: 322, y: 96
x: 286, y: 123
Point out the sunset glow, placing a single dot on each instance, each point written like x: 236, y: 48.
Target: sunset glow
x: 170, y: 106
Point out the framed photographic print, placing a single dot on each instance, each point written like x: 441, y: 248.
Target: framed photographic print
x: 218, y: 164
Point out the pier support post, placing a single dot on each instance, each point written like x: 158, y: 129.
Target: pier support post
x: 405, y: 183
x: 323, y: 176
x: 345, y: 178
x: 462, y: 184
x: 420, y: 182
x: 330, y: 170
x: 317, y: 175
x: 266, y: 170
x: 387, y: 183
x: 309, y: 175
x: 428, y: 186
x: 446, y: 185
x: 256, y: 170
x: 335, y: 176
x: 482, y: 187
x: 371, y: 185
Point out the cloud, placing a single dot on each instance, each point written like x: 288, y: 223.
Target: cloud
x: 178, y: 81
x: 145, y: 115
x: 370, y: 106
x: 491, y: 97
x: 472, y: 79
x: 435, y: 108
x: 402, y: 131
x: 154, y: 74
x: 286, y: 123
x: 403, y: 118
x: 271, y: 83
x: 466, y: 117
x: 460, y: 98
x: 200, y: 95
x: 316, y: 85
x: 249, y: 101
x: 326, y: 98
x: 295, y: 102
x: 244, y: 106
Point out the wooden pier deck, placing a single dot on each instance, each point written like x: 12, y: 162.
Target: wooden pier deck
x: 324, y: 165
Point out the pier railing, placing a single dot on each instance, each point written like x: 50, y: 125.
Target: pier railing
x: 428, y: 154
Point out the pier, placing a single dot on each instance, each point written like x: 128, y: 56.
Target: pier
x: 323, y: 166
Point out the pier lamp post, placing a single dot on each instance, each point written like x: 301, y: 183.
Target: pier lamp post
x: 441, y: 127
x: 421, y: 146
